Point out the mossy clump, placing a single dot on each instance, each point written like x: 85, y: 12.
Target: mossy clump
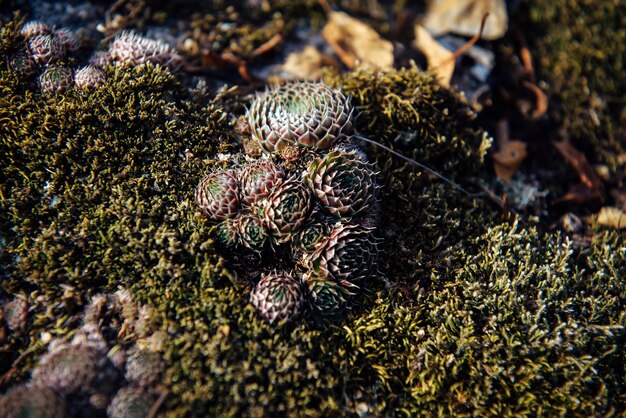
x: 481, y: 318
x: 580, y: 47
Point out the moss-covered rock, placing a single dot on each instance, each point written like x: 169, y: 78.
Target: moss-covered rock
x: 481, y: 318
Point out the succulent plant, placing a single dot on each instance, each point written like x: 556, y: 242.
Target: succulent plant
x: 326, y: 295
x: 307, y: 239
x: 218, y: 195
x: 89, y: 77
x: 348, y: 255
x: 55, y: 79
x: 343, y: 183
x: 227, y: 232
x: 34, y: 28
x: 129, y: 47
x: 251, y: 231
x: 46, y: 49
x: 100, y: 59
x: 303, y: 114
x: 258, y: 179
x: 277, y: 297
x: 286, y: 209
x: 32, y: 402
x: 144, y: 368
x: 16, y: 314
x: 24, y: 63
x: 130, y: 402
x: 67, y: 39
x: 69, y: 369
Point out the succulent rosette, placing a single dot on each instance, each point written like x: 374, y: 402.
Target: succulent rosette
x: 326, y: 295
x: 55, y: 79
x: 348, y: 255
x: 287, y: 209
x: 258, y: 179
x: 129, y: 47
x: 218, y: 195
x: 89, y: 77
x: 46, y: 48
x: 227, y: 232
x: 343, y: 183
x: 251, y: 232
x: 277, y: 297
x: 24, y: 63
x: 303, y: 114
x: 310, y: 235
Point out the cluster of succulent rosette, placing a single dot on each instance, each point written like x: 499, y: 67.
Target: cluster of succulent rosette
x: 301, y: 216
x: 86, y: 376
x: 46, y: 54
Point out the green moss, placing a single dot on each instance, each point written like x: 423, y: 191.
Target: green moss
x: 580, y: 47
x: 481, y: 318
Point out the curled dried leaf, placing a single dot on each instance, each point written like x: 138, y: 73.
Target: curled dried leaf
x: 356, y: 43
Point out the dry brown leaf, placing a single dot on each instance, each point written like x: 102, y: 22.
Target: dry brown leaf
x: 611, y: 217
x: 464, y: 18
x: 440, y: 60
x: 355, y: 43
x: 307, y: 64
x: 508, y: 160
x: 579, y: 162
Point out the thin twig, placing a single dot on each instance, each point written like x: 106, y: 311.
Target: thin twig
x: 420, y: 165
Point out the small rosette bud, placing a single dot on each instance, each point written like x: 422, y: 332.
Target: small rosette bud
x: 286, y: 209
x: 24, y: 64
x: 130, y: 48
x: 218, y: 195
x: 70, y: 369
x: 131, y: 402
x: 277, y: 297
x: 67, y: 39
x: 46, y: 49
x: 258, y: 179
x: 55, y: 79
x: 302, y: 114
x: 89, y: 77
x: 343, y: 183
x: 32, y: 401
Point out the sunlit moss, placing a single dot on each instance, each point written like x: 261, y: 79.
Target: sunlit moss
x: 479, y: 318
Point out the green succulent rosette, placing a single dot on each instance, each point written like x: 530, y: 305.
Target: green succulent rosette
x: 251, y: 231
x: 258, y: 179
x: 314, y: 232
x: 303, y: 114
x: 343, y: 182
x: 348, y: 255
x: 287, y: 209
x: 327, y: 296
x: 218, y: 195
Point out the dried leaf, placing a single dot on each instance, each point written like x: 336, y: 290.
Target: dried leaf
x: 579, y: 162
x: 307, y: 64
x: 356, y: 43
x: 440, y: 60
x: 464, y: 18
x: 611, y: 217
x: 508, y: 160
